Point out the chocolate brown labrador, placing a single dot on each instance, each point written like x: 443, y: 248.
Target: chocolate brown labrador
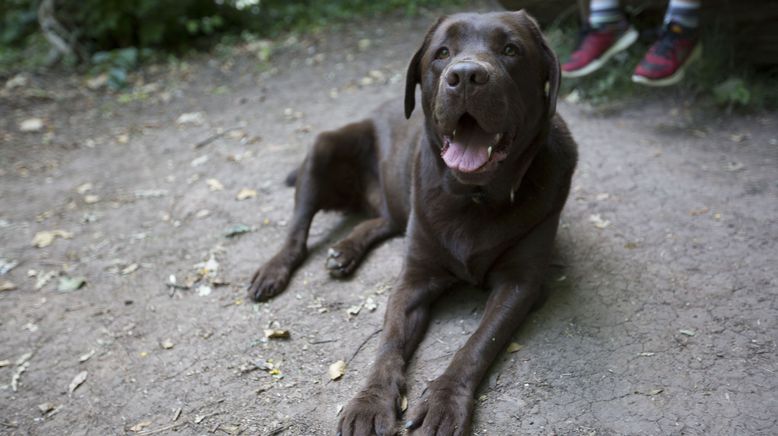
x: 477, y: 182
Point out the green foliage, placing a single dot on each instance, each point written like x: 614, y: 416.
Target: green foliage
x: 117, y: 63
x: 732, y: 91
x: 276, y: 16
x: 115, y: 33
x: 19, y: 19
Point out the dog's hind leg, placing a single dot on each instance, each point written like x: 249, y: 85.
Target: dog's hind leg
x: 334, y: 176
x: 346, y: 255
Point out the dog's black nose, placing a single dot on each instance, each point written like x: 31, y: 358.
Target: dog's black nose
x: 468, y: 73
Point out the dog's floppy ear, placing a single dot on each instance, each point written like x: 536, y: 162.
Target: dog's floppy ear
x: 413, y: 76
x: 553, y: 70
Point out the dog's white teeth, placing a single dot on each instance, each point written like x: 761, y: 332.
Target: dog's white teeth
x: 497, y: 138
x: 490, y: 152
x: 454, y: 134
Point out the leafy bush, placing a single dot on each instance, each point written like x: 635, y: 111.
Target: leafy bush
x: 100, y: 25
x: 96, y: 28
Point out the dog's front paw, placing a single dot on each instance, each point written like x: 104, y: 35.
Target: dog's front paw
x: 342, y: 259
x: 372, y: 412
x: 446, y: 409
x: 269, y: 280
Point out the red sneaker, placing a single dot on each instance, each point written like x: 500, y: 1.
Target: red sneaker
x: 667, y: 59
x: 596, y: 47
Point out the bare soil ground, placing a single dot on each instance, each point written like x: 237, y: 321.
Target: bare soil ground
x: 661, y: 316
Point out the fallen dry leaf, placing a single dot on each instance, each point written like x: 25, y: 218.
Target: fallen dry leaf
x: 97, y: 82
x: 208, y: 268
x: 354, y: 310
x: 84, y: 188
x: 70, y: 284
x: 364, y: 44
x: 22, y: 363
x: 193, y: 118
x: 196, y: 162
x: 734, y: 166
x: 7, y: 265
x: 403, y: 403
x: 204, y: 290
x: 276, y: 334
x: 129, y: 269
x: 86, y: 356
x: 6, y: 285
x: 91, y: 199
x: 18, y: 81
x: 4, y: 363
x: 245, y: 194
x: 514, y: 347
x: 687, y: 332
x: 336, y: 370
x: 43, y: 279
x: 598, y: 222
x: 46, y: 237
x: 46, y: 407
x: 23, y: 358
x: 31, y: 125
x: 140, y: 426
x: 167, y: 344
x: 214, y: 185
x: 78, y: 380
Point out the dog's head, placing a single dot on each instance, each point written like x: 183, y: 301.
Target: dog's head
x: 489, y: 86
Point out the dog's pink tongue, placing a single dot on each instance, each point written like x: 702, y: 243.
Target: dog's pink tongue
x: 468, y: 150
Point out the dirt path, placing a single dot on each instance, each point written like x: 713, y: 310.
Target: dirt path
x: 661, y: 317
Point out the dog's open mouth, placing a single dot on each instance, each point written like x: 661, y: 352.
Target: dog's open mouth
x: 470, y: 149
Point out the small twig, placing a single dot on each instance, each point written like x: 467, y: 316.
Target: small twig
x: 322, y: 341
x: 279, y: 430
x: 359, y: 348
x: 214, y: 137
x: 165, y: 428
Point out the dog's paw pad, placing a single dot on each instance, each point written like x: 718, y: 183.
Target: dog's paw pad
x: 268, y: 282
x: 340, y: 262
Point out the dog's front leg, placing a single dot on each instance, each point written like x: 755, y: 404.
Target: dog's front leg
x: 447, y: 404
x: 374, y: 410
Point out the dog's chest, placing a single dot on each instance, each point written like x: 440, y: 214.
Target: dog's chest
x: 472, y: 248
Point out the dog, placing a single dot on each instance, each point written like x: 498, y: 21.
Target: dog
x: 477, y: 182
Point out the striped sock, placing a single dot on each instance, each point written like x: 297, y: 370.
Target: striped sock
x: 684, y: 12
x: 604, y: 13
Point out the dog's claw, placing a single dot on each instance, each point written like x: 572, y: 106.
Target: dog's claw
x: 332, y: 263
x: 333, y: 253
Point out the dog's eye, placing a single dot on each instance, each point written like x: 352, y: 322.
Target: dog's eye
x: 442, y: 53
x: 510, y: 50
